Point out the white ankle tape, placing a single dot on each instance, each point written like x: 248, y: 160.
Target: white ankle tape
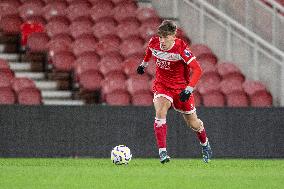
x: 160, y: 122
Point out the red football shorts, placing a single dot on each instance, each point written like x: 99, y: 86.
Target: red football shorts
x: 187, y: 107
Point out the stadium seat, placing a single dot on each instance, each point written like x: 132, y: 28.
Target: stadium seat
x: 108, y: 44
x: 251, y: 87
x: 78, y: 9
x: 111, y: 63
x: 11, y: 24
x: 118, y: 98
x: 130, y: 65
x: 110, y: 85
x: 208, y: 87
x: 199, y: 50
x: 136, y: 85
x: 197, y: 98
x: 4, y: 64
x: 230, y: 70
x: 29, y: 27
x: 207, y: 60
x: 5, y: 82
x: 61, y: 42
x: 7, y: 95
x: 101, y: 9
x: 84, y: 44
x: 31, y: 9
x: 142, y: 99
x: 149, y: 28
x: 8, y: 73
x: 9, y: 7
x: 54, y: 9
x: 81, y: 27
x: 19, y: 84
x: 105, y: 26
x: 57, y: 25
x: 214, y: 99
x: 128, y: 27
x: 63, y: 61
x: 37, y: 42
x: 237, y: 99
x: 145, y: 13
x: 29, y: 96
x: 131, y: 46
x: 228, y: 86
x: 261, y: 99
x: 124, y: 9
x: 90, y: 80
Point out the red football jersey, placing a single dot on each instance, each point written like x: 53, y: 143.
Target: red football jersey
x: 173, y: 66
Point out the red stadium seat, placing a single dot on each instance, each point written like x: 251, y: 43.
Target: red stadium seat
x: 228, y: 86
x: 7, y: 95
x: 104, y: 27
x: 30, y: 8
x: 145, y: 13
x: 4, y: 64
x: 131, y: 46
x: 37, y: 42
x: 130, y: 65
x: 124, y: 10
x: 208, y: 87
x: 261, y: 99
x: 101, y: 9
x: 19, y: 84
x: 63, y: 61
x: 142, y: 99
x: 111, y: 85
x: 81, y: 27
x: 56, y: 26
x: 29, y: 96
x: 61, y: 42
x: 108, y: 44
x: 119, y: 98
x: 149, y: 28
x: 111, y: 63
x: 214, y: 99
x: 251, y: 87
x: 90, y: 80
x: 78, y: 9
x: 5, y: 82
x: 8, y: 73
x: 128, y: 27
x: 137, y: 85
x: 9, y: 7
x: 237, y: 99
x: 84, y: 44
x: 207, y: 59
x: 200, y: 49
x: 230, y: 70
x: 11, y: 24
x: 85, y: 63
x: 197, y: 98
x: 54, y: 9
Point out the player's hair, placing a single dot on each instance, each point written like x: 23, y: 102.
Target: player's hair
x: 167, y: 27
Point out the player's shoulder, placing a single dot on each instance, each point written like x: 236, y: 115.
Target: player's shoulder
x: 153, y: 40
x: 181, y: 43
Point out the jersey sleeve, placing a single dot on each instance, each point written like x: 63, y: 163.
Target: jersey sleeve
x: 148, y: 52
x: 186, y: 54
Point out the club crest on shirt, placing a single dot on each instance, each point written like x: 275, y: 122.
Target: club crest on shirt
x: 187, y: 53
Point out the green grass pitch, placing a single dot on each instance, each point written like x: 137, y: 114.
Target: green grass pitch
x: 83, y: 173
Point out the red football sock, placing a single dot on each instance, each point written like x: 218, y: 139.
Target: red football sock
x: 201, y: 134
x: 160, y: 128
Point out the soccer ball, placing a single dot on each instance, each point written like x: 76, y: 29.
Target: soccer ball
x: 121, y: 155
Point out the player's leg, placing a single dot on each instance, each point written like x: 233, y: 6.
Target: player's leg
x: 162, y: 106
x: 197, y: 126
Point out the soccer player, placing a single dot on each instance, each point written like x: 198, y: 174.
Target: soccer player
x: 173, y: 85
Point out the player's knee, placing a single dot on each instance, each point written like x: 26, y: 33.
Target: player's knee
x: 197, y: 125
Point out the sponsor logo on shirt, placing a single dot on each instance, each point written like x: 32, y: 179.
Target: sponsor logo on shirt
x: 187, y: 53
x: 165, y: 55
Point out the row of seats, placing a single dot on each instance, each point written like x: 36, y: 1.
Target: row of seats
x: 15, y: 90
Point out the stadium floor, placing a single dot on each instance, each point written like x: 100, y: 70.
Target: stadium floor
x: 61, y: 173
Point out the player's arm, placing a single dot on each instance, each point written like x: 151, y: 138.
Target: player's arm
x: 193, y: 64
x: 144, y: 64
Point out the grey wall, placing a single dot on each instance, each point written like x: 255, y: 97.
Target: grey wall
x: 63, y: 131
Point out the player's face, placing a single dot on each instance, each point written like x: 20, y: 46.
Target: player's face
x: 167, y: 41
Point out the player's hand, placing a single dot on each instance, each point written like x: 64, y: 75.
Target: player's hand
x: 185, y: 94
x: 140, y: 69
